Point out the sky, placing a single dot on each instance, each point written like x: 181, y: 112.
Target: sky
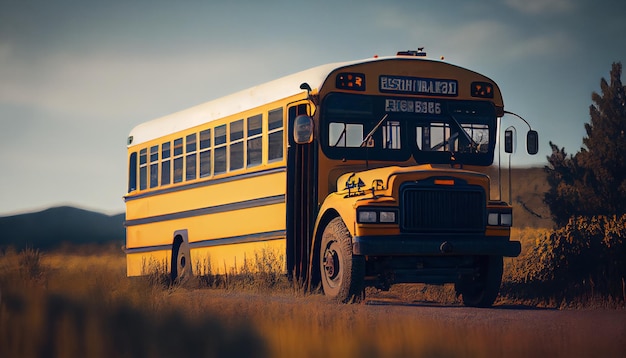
x: 77, y: 76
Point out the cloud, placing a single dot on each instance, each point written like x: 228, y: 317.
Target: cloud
x: 541, y: 46
x: 543, y: 7
x: 494, y: 42
x: 99, y: 84
x: 113, y: 85
x: 480, y: 40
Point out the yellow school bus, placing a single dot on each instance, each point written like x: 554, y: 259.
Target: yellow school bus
x: 356, y: 174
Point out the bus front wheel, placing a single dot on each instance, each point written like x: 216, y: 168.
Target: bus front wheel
x: 342, y: 273
x: 483, y: 290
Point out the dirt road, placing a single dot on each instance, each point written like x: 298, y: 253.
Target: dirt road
x: 576, y: 333
x: 312, y: 325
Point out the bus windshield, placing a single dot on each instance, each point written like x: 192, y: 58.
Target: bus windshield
x: 359, y: 127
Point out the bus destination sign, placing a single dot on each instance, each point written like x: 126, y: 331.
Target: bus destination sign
x: 419, y: 86
x: 413, y: 106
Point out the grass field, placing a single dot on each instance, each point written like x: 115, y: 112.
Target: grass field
x: 79, y: 303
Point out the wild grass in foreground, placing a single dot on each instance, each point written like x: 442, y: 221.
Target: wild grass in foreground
x: 68, y: 304
x: 312, y: 326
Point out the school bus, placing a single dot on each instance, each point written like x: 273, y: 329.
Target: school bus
x: 357, y: 174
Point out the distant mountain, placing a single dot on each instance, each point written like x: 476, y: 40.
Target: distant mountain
x: 52, y: 227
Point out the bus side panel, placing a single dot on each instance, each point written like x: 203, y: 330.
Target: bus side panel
x: 215, y: 260
x: 143, y: 263
x: 236, y: 223
x: 255, y: 224
x: 228, y: 259
x: 214, y: 193
x: 246, y: 211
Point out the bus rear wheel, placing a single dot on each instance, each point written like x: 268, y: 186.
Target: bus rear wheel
x: 483, y: 290
x: 342, y: 273
x: 181, y: 267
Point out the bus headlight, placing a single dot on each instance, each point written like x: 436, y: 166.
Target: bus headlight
x: 506, y: 219
x: 498, y: 218
x: 388, y: 217
x: 367, y: 217
x: 377, y: 215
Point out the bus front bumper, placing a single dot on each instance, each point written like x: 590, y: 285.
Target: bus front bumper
x: 435, y: 245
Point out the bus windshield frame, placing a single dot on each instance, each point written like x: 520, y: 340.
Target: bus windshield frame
x: 432, y: 131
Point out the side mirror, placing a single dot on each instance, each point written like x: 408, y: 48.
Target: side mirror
x: 508, y: 141
x: 532, y: 142
x: 303, y: 129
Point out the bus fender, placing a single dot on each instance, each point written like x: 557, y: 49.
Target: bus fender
x: 180, y: 237
x: 327, y: 212
x: 336, y: 205
x: 180, y: 243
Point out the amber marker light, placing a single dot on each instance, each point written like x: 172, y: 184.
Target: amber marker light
x: 351, y: 81
x: 444, y: 182
x: 482, y: 89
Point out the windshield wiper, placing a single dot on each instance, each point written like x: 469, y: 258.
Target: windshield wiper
x: 371, y: 133
x: 343, y: 133
x: 465, y: 134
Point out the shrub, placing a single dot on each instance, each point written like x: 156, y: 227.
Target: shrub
x: 584, y: 259
x: 30, y: 263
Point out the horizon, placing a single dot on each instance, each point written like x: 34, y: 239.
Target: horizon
x: 61, y: 206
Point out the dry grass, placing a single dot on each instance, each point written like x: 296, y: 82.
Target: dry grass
x: 77, y: 302
x: 68, y: 304
x: 84, y: 306
x: 314, y: 327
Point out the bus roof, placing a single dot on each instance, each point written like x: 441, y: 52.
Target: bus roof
x: 241, y: 101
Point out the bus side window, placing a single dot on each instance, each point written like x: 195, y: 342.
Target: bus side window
x: 205, y: 153
x: 219, y: 164
x: 275, y: 135
x: 255, y: 140
x: 143, y: 169
x: 236, y: 145
x: 165, y: 163
x: 132, y: 172
x: 178, y: 160
x: 190, y: 149
x: 154, y: 166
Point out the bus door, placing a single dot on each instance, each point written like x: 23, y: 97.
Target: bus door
x: 301, y: 198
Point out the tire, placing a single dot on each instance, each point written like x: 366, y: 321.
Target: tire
x: 483, y: 290
x: 342, y: 273
x: 181, y: 263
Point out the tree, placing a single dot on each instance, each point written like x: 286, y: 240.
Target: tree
x: 593, y: 181
x: 564, y: 197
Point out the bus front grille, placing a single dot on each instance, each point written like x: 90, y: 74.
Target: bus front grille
x: 437, y: 209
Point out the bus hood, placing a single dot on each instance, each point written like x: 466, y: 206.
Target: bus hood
x: 382, y: 181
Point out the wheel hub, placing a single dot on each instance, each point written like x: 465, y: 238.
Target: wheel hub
x: 331, y: 263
